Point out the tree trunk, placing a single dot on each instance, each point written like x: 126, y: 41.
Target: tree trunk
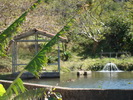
x: 95, y: 45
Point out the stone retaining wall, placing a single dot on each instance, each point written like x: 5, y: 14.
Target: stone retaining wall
x: 83, y: 94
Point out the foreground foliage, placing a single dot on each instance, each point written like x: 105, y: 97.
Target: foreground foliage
x: 16, y: 89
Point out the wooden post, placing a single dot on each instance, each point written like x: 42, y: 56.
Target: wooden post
x: 101, y: 54
x: 110, y: 54
x: 14, y: 56
x: 59, y: 57
x: 36, y: 43
x: 116, y: 54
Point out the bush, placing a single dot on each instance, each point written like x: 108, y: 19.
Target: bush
x: 66, y: 55
x: 97, y: 64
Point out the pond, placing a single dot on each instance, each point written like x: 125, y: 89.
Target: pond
x: 99, y: 80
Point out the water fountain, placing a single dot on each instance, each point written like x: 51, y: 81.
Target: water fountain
x: 110, y: 67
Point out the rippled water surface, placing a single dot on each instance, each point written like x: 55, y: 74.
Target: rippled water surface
x: 104, y: 80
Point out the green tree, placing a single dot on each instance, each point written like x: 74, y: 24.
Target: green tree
x: 93, y: 25
x: 118, y: 38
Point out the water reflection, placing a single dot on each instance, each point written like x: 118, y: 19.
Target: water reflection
x: 120, y: 80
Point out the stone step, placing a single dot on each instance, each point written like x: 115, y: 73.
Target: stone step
x: 83, y: 73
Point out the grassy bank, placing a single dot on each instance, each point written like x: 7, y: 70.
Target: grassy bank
x: 76, y: 63
x: 96, y: 64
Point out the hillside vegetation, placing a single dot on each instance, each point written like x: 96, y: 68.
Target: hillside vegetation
x: 99, y: 26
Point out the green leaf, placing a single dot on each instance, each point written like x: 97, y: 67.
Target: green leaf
x: 14, y: 89
x: 2, y: 90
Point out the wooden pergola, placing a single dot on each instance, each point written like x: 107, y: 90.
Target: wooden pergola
x: 35, y: 33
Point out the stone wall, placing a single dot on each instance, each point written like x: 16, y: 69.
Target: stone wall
x: 83, y: 94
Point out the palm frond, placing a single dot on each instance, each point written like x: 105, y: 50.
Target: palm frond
x: 34, y: 66
x: 15, y: 89
x: 8, y: 33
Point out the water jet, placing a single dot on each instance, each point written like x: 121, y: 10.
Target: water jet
x: 110, y: 67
